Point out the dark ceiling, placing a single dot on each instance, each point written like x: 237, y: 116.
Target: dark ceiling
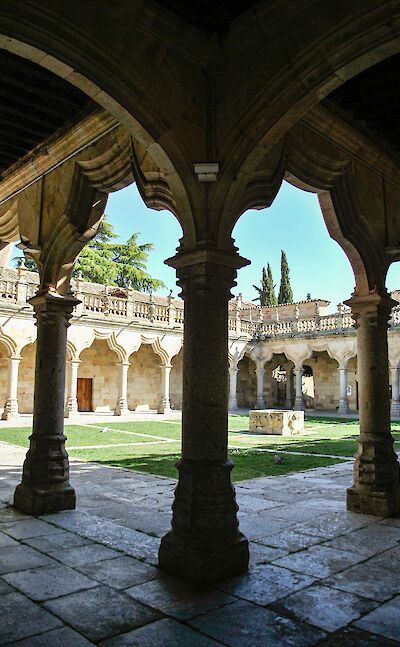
x: 371, y: 101
x: 208, y: 15
x: 34, y: 104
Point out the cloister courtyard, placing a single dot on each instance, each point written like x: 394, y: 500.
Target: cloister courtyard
x: 319, y: 574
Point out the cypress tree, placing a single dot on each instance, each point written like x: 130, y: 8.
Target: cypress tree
x: 262, y: 291
x: 271, y: 296
x: 285, y: 290
x: 266, y: 293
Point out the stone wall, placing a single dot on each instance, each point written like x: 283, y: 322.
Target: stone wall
x: 101, y: 364
x: 26, y: 379
x: 144, y: 379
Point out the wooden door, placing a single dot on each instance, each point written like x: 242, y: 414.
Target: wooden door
x: 84, y: 393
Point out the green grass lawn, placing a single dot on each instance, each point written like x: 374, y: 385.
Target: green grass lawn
x: 154, y: 446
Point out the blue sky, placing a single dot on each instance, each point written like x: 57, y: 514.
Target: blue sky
x: 294, y: 223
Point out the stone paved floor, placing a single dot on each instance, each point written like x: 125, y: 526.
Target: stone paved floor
x: 319, y: 575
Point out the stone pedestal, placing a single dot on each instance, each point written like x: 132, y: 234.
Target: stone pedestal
x: 122, y: 408
x: 205, y: 544
x: 165, y: 404
x: 45, y: 483
x: 376, y: 488
x: 276, y: 422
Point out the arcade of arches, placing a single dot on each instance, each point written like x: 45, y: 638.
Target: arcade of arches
x: 207, y: 111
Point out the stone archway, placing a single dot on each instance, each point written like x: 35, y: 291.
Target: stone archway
x: 99, y: 369
x: 246, y: 383
x: 144, y: 380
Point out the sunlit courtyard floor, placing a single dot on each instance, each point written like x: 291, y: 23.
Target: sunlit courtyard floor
x: 318, y: 575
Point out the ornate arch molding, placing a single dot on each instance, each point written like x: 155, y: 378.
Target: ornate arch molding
x: 349, y: 40
x: 10, y: 343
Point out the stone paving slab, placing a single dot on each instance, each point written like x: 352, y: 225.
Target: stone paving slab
x: 368, y: 580
x: 178, y: 599
x: 243, y: 623
x: 64, y: 637
x: 319, y: 561
x: 49, y: 582
x: 165, y: 633
x: 384, y: 621
x: 101, y: 612
x: 20, y: 558
x: 300, y: 518
x: 121, y: 572
x: 19, y: 618
x: 326, y: 608
x: 266, y: 584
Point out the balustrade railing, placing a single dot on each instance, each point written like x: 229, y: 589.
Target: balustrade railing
x: 242, y: 321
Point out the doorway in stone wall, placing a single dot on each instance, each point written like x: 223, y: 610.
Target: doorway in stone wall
x: 84, y: 393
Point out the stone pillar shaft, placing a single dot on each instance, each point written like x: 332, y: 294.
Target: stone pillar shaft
x: 11, y: 404
x: 165, y: 404
x: 233, y: 373
x: 122, y: 408
x: 395, y: 403
x: 45, y: 483
x: 343, y: 399
x: 260, y: 402
x: 71, y: 407
x: 205, y: 543
x: 299, y: 400
x: 288, y: 402
x: 376, y: 488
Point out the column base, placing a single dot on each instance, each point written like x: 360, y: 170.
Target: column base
x: 343, y: 411
x: 38, y: 501
x: 165, y: 406
x: 121, y: 412
x: 10, y: 410
x: 381, y: 504
x: 205, y: 544
x: 299, y: 406
x: 201, y: 565
x: 260, y: 405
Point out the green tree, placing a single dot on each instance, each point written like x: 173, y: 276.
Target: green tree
x: 103, y: 260
x: 285, y: 290
x: 266, y: 293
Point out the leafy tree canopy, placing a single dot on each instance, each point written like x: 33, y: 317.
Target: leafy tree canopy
x: 105, y: 261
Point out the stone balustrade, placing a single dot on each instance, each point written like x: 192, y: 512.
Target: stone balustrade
x: 99, y: 302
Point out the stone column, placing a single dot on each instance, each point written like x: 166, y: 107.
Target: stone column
x: 71, y: 405
x: 45, y: 483
x: 343, y: 409
x: 122, y: 408
x: 395, y: 403
x: 205, y: 544
x: 233, y: 373
x: 260, y: 402
x: 288, y: 401
x: 299, y: 400
x: 376, y: 488
x: 165, y: 404
x: 11, y: 405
